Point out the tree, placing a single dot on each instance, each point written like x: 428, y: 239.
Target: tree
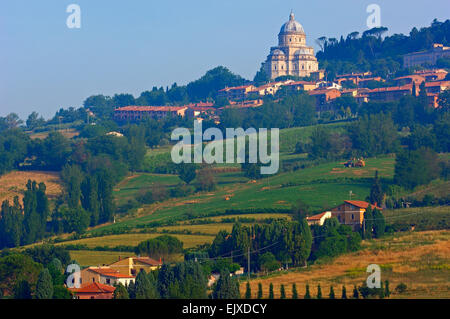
x: 319, y: 292
x: 145, y: 289
x: 307, y: 294
x: 260, y: 291
x: 271, y: 296
x: 355, y: 293
x: 22, y: 290
x: 121, y: 292
x: 206, y: 180
x: 44, y: 285
x: 387, y: 292
x: 227, y: 287
x: 379, y: 224
x: 282, y: 292
x: 187, y: 172
x: 248, y: 291
x: 267, y: 262
x: 376, y: 193
x: 331, y: 295
x: 34, y: 121
x: 294, y: 291
x: 344, y: 293
x: 61, y: 292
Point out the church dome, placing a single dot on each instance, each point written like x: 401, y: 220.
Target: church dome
x: 301, y: 51
x: 277, y: 52
x: 292, y: 26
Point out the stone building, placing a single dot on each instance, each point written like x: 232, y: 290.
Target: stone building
x: 292, y: 56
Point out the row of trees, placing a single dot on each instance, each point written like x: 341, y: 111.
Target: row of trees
x: 24, y: 225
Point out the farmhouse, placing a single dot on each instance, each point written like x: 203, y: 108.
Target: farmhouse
x: 135, y: 113
x: 105, y: 276
x: 351, y: 212
x: 94, y: 291
x: 318, y: 219
x: 133, y: 265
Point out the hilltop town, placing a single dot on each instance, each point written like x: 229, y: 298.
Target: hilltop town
x: 94, y: 207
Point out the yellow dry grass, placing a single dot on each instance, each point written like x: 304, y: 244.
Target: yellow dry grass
x: 14, y: 183
x: 420, y: 260
x: 134, y: 239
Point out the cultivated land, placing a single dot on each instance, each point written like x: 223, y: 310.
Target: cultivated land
x: 14, y: 183
x: 421, y: 260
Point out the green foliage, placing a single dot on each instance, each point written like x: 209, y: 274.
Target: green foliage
x: 355, y: 293
x: 15, y: 268
x: 267, y: 262
x: 331, y: 295
x: 374, y: 134
x: 144, y: 287
x: 271, y: 295
x: 185, y: 280
x: 44, y: 285
x: 294, y: 291
x: 376, y: 192
x: 344, y: 293
x: 61, y: 292
x: 319, y: 292
x: 121, y: 292
x: 248, y: 291
x: 160, y: 247
x: 22, y: 290
x: 227, y: 287
x: 260, y: 291
x: 307, y: 293
x: 401, y: 288
x: 187, y: 172
x: 282, y: 292
x: 413, y: 168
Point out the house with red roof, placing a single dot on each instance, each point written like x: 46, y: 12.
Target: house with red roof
x: 133, y: 265
x: 351, y: 212
x: 318, y: 219
x: 94, y: 290
x: 105, y: 275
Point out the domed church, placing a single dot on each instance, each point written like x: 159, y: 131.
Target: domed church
x: 292, y: 56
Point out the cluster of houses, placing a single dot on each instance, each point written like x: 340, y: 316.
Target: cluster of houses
x: 355, y: 85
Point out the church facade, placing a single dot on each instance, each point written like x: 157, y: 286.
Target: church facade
x: 292, y: 56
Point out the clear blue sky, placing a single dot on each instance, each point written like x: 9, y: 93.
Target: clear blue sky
x: 131, y: 46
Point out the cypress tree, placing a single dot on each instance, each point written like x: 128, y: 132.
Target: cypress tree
x: 260, y: 291
x: 121, y: 292
x: 387, y: 292
x: 344, y: 293
x: 44, y: 285
x: 22, y: 290
x: 355, y: 292
x: 131, y: 290
x: 248, y: 291
x: 227, y: 287
x: 307, y: 294
x: 376, y: 192
x: 331, y: 295
x: 379, y: 224
x: 319, y: 292
x: 271, y: 296
x: 144, y: 288
x: 294, y: 291
x: 368, y: 223
x: 282, y: 292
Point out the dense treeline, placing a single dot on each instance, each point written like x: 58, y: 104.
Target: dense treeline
x: 161, y: 247
x: 370, y: 51
x: 24, y: 225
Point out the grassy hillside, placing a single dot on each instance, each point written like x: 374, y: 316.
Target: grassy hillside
x: 421, y: 260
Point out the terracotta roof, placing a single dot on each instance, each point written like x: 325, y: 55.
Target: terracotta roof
x: 437, y: 83
x: 151, y: 108
x: 361, y: 204
x: 316, y: 217
x: 109, y: 272
x: 392, y: 88
x: 148, y: 261
x: 94, y: 288
x: 236, y: 88
x: 322, y: 91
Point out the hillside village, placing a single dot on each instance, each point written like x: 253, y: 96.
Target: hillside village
x: 363, y: 179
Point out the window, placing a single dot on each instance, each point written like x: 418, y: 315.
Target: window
x: 353, y: 216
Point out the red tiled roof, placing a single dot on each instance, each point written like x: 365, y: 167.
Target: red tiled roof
x: 151, y: 108
x: 392, y: 88
x: 316, y: 217
x: 148, y: 261
x: 109, y: 272
x: 94, y: 288
x: 437, y: 83
x: 322, y: 91
x: 361, y: 204
x: 235, y: 88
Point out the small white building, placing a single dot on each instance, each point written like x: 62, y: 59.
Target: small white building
x: 318, y: 219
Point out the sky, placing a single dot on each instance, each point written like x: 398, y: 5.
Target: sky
x: 131, y: 46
